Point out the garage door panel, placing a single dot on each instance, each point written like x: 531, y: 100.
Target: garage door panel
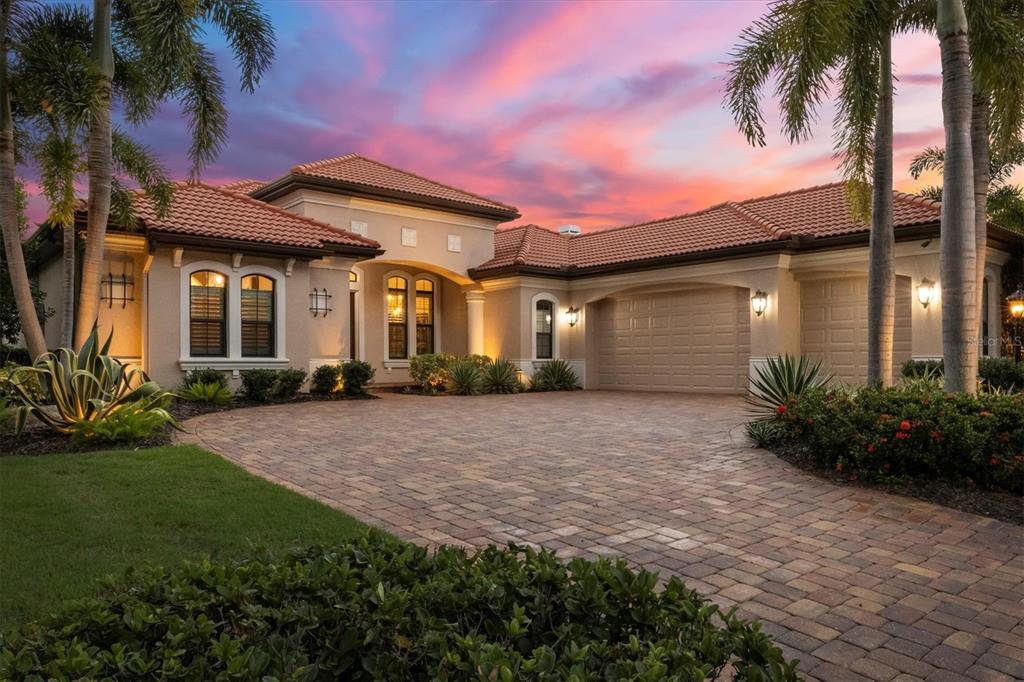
x: 680, y: 341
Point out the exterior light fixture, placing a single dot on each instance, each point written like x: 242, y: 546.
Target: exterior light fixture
x: 926, y: 292
x: 759, y: 302
x: 119, y: 288
x: 572, y: 316
x: 1015, y: 301
x: 319, y: 302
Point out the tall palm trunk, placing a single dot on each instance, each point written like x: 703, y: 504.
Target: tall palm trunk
x: 958, y: 256
x: 67, y: 329
x: 100, y: 175
x: 982, y: 169
x: 30, y: 326
x: 881, y: 264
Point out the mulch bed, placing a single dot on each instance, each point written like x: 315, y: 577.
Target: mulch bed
x: 37, y: 439
x: 994, y: 504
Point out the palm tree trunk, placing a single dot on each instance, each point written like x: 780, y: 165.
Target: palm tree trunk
x: 30, y: 326
x: 958, y: 254
x: 67, y: 329
x: 881, y: 264
x: 100, y: 175
x: 982, y: 169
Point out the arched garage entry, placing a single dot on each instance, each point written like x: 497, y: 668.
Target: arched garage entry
x: 687, y: 340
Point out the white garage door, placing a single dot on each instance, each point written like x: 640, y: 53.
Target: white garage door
x: 694, y: 341
x: 834, y: 324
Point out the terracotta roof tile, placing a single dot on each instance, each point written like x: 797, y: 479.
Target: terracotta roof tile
x: 359, y: 170
x: 206, y: 211
x: 821, y: 211
x: 243, y: 186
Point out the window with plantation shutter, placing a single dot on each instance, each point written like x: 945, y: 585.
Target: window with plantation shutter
x: 257, y: 308
x: 208, y: 314
x: 397, y: 317
x: 424, y: 316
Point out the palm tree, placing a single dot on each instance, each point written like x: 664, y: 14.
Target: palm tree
x: 31, y: 329
x: 808, y: 43
x: 171, y: 63
x: 958, y: 250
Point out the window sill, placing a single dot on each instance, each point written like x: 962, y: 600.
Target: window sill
x: 396, y: 364
x: 233, y: 363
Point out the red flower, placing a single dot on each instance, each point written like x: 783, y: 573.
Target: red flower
x: 985, y: 413
x: 871, y: 448
x: 937, y: 436
x: 902, y: 435
x: 994, y: 462
x: 781, y: 409
x: 905, y: 425
x: 839, y: 467
x: 886, y: 466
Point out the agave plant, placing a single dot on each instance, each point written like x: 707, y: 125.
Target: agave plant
x: 464, y: 378
x: 556, y: 375
x: 501, y: 377
x: 87, y: 386
x: 782, y: 379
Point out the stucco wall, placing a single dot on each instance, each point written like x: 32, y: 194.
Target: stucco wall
x: 124, y: 320
x: 51, y: 281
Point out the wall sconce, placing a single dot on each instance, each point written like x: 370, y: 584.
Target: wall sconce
x: 572, y: 316
x: 120, y: 288
x: 1016, y: 302
x: 319, y: 302
x: 759, y: 302
x: 926, y: 292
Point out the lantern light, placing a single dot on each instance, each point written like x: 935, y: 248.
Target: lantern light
x: 926, y: 292
x: 572, y: 316
x: 1016, y: 302
x: 759, y: 302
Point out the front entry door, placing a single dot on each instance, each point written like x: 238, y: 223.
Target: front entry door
x: 352, y: 336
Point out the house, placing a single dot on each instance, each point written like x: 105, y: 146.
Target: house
x: 351, y: 258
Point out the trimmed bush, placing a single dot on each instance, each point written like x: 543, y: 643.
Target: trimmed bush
x: 996, y: 374
x: 204, y: 375
x: 380, y: 609
x: 464, y: 378
x: 287, y: 383
x: 921, y: 369
x: 355, y: 376
x: 430, y: 370
x: 556, y: 375
x: 326, y: 380
x: 500, y: 377
x: 481, y: 362
x: 213, y: 394
x: 258, y: 384
x: 876, y: 434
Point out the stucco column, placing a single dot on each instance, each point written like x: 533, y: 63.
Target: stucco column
x: 777, y: 330
x: 475, y: 321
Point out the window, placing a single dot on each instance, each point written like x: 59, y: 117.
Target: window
x: 986, y: 349
x: 424, y: 316
x: 352, y: 277
x: 257, y: 316
x: 397, y: 334
x: 207, y: 314
x: 544, y: 316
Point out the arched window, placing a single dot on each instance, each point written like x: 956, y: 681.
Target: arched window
x: 257, y: 310
x: 398, y: 348
x: 544, y: 314
x: 424, y: 316
x: 208, y: 314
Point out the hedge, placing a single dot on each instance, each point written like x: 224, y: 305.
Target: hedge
x: 377, y: 608
x: 918, y: 430
x: 1002, y: 374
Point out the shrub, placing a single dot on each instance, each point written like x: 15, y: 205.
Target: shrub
x: 481, y: 362
x: 876, y: 433
x: 287, y: 383
x: 355, y: 375
x: 380, y: 609
x: 782, y: 379
x: 204, y: 375
x: 921, y: 368
x: 86, y: 386
x: 464, y: 378
x: 430, y: 370
x: 214, y: 394
x: 12, y: 374
x: 556, y: 375
x: 14, y: 356
x: 995, y: 374
x: 129, y: 422
x: 326, y: 380
x: 258, y: 384
x: 500, y: 377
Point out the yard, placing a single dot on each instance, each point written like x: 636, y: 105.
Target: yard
x: 73, y: 518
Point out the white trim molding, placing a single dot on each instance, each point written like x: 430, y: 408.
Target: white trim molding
x: 234, y: 359
x: 555, y: 331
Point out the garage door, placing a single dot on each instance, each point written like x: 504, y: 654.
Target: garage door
x: 695, y: 341
x: 834, y: 324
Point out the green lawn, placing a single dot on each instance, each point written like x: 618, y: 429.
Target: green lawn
x: 66, y: 520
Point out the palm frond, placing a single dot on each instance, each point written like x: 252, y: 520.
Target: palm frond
x: 929, y: 159
x: 59, y: 158
x: 137, y: 162
x: 249, y: 32
x: 202, y: 96
x: 752, y: 62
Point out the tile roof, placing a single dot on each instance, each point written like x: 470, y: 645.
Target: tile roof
x: 821, y: 211
x: 206, y: 211
x: 243, y: 186
x: 359, y: 170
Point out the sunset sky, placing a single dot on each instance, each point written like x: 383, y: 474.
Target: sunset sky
x: 596, y: 114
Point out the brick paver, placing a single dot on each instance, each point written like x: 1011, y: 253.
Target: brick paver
x: 857, y: 584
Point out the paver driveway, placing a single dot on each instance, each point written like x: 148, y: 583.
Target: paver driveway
x: 857, y: 584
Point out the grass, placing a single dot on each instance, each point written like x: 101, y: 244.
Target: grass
x: 68, y: 519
